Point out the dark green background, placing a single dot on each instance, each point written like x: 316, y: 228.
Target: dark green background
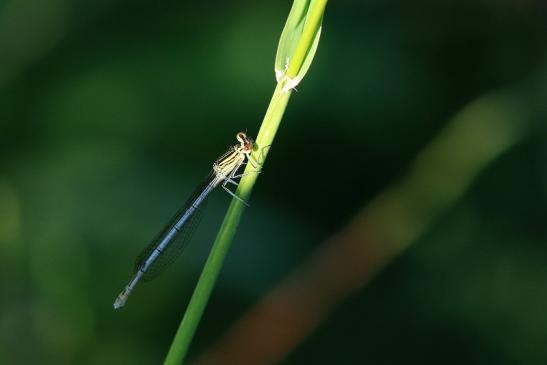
x: 111, y: 112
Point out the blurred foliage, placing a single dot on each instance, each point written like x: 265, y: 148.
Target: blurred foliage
x: 109, y: 115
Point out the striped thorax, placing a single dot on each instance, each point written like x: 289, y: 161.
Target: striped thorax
x: 234, y: 158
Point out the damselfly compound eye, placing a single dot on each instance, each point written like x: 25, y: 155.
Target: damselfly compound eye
x: 248, y: 146
x: 241, y: 137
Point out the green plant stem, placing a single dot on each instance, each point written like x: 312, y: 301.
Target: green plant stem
x: 204, y: 287
x: 270, y: 124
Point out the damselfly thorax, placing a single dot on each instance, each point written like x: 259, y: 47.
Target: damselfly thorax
x: 230, y: 162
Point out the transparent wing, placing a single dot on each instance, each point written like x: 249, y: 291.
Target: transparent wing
x: 178, y: 242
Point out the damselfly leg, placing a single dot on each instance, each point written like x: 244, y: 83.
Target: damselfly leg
x: 230, y: 180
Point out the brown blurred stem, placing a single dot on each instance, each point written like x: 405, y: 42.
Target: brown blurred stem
x: 438, y: 177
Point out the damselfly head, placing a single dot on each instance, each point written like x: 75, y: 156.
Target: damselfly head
x: 246, y: 142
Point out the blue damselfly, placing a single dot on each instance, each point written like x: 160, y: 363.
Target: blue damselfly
x: 170, y: 242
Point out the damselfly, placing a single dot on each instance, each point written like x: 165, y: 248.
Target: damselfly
x: 170, y: 242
